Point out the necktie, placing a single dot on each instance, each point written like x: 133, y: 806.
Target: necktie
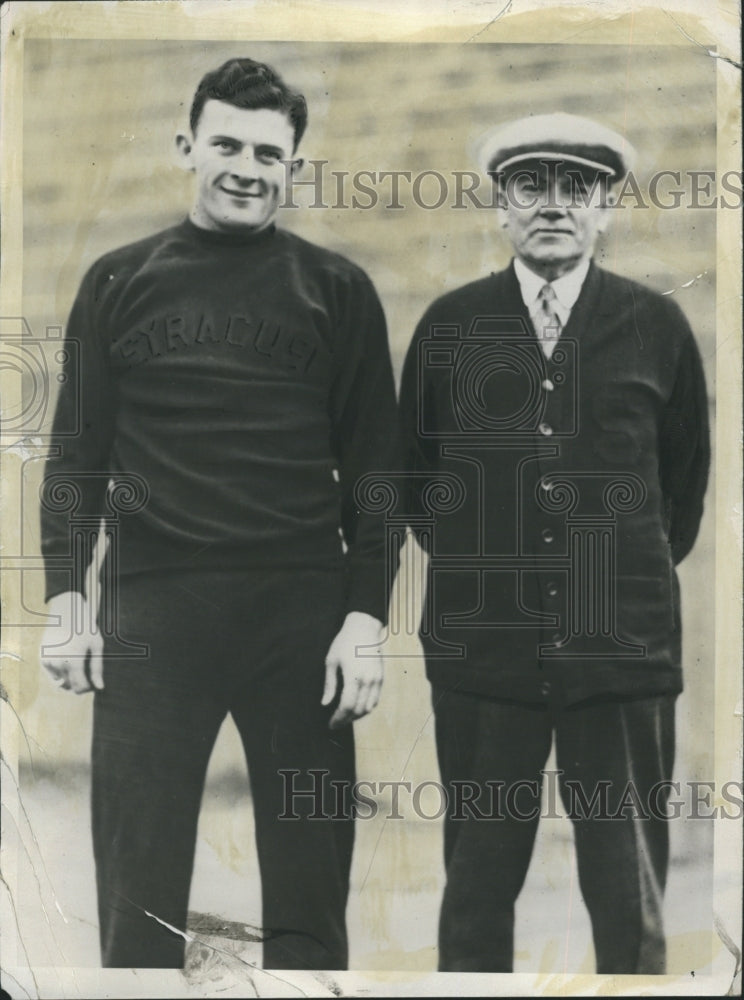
x: 549, y: 323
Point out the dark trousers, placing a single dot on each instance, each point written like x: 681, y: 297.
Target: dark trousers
x: 614, y: 752
x: 252, y: 645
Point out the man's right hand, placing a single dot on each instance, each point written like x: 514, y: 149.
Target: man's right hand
x: 72, y: 646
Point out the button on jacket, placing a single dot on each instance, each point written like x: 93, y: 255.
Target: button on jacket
x: 581, y: 477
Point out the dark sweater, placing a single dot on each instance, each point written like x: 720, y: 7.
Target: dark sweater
x: 609, y: 437
x: 247, y: 381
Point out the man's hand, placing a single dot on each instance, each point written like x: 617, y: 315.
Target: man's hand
x: 72, y: 647
x: 362, y: 675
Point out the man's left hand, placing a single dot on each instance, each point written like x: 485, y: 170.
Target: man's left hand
x: 362, y: 674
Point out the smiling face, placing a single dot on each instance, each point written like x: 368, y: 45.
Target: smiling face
x: 553, y: 216
x: 236, y: 155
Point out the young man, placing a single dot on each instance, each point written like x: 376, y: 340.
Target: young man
x: 568, y: 406
x: 238, y: 380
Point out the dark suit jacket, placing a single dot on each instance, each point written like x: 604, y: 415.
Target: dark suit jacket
x: 554, y: 496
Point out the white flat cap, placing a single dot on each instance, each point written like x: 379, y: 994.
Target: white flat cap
x: 557, y: 136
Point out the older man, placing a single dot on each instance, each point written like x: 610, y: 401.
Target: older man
x: 565, y: 407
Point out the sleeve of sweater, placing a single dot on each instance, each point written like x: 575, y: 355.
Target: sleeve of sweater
x: 364, y: 429
x: 75, y: 475
x: 417, y: 409
x: 684, y: 449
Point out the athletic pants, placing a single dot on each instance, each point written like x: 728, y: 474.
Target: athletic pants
x: 618, y: 751
x: 252, y: 645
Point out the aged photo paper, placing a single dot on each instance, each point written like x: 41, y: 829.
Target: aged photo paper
x: 398, y: 96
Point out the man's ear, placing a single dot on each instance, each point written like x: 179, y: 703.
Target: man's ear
x: 184, y: 147
x: 296, y: 165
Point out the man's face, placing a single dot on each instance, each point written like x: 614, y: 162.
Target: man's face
x: 553, y: 215
x: 237, y: 156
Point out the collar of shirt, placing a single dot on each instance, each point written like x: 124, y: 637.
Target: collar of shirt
x: 567, y: 288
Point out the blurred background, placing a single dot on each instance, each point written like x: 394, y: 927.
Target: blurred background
x: 99, y: 171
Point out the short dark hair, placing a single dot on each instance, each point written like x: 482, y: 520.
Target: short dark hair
x: 245, y: 83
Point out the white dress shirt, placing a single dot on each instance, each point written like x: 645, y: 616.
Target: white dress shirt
x: 567, y: 289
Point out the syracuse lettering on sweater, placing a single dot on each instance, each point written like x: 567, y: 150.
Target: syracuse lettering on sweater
x: 271, y: 368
